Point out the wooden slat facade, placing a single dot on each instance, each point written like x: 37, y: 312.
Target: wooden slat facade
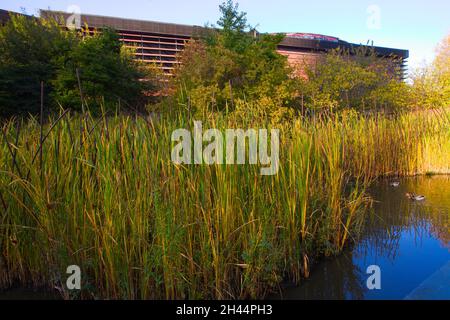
x: 160, y: 42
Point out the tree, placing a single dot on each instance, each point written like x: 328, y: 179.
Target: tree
x: 431, y: 83
x: 40, y: 50
x: 234, y: 27
x: 442, y: 68
x: 231, y: 65
x: 28, y: 48
x: 107, y: 73
x: 356, y: 80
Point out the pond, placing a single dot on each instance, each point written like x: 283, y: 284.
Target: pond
x: 408, y: 240
x: 29, y: 294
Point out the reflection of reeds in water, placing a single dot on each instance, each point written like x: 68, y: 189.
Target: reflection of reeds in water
x: 384, y: 229
x: 438, y: 205
x: 337, y: 278
x: 394, y: 213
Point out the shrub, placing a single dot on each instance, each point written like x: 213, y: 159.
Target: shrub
x: 431, y: 83
x: 231, y: 67
x: 28, y: 50
x: 356, y: 80
x: 39, y: 50
x: 231, y: 64
x: 107, y: 73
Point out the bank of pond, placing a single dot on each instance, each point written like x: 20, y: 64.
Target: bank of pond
x: 104, y: 194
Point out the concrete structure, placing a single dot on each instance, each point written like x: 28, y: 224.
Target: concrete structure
x: 161, y: 42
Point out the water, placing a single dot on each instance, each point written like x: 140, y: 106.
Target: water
x: 408, y: 240
x: 29, y: 294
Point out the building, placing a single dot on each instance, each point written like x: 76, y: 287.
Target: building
x: 160, y: 42
x: 4, y: 16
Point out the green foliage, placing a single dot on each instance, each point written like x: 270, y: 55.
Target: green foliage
x: 234, y: 25
x: 356, y: 80
x: 442, y: 67
x: 28, y: 48
x: 431, y: 84
x: 34, y: 50
x: 237, y: 70
x: 107, y: 72
x: 232, y: 64
x: 140, y: 227
x: 427, y: 89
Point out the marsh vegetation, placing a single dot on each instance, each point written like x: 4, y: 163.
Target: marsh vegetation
x: 104, y: 195
x: 87, y: 179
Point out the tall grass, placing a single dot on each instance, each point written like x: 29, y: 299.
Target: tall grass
x: 107, y: 197
x: 410, y: 144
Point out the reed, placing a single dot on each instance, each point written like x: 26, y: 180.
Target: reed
x: 107, y: 197
x: 410, y: 144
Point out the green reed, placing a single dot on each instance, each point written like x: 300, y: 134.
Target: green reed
x: 107, y: 197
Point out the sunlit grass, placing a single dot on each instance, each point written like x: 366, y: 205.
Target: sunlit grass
x: 108, y: 198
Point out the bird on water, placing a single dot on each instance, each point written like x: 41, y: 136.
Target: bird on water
x: 413, y: 196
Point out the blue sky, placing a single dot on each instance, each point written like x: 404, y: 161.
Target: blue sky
x: 416, y: 25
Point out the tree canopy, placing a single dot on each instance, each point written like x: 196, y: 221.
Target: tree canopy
x: 232, y: 66
x: 39, y: 50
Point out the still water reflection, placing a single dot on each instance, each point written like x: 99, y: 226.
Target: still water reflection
x: 408, y: 240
